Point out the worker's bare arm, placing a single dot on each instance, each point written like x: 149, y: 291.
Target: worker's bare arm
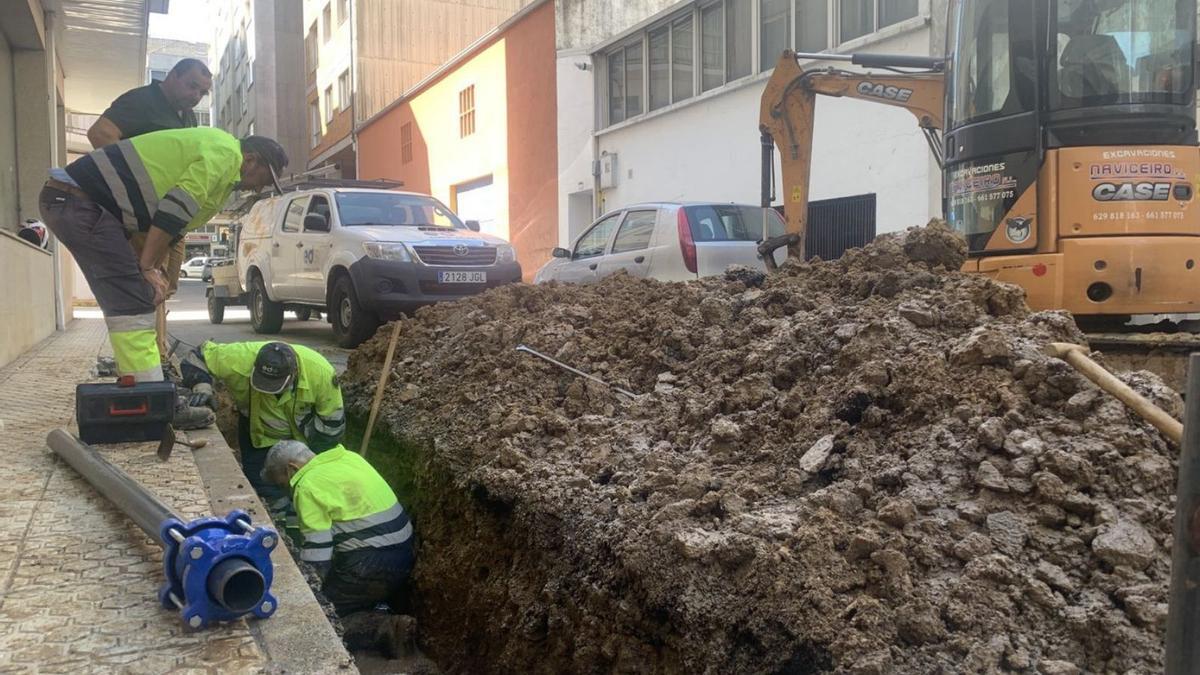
x: 103, y: 133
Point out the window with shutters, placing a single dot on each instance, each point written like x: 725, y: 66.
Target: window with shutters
x: 466, y: 112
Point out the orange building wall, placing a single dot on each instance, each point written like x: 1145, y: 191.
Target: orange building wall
x: 532, y: 138
x: 527, y: 151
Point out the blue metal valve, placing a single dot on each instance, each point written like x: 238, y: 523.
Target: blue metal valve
x: 217, y: 569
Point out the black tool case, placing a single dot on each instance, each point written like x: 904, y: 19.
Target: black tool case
x: 119, y: 413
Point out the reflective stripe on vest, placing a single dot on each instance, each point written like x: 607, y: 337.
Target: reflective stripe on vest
x: 378, y: 530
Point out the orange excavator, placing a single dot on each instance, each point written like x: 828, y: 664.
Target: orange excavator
x: 1066, y: 130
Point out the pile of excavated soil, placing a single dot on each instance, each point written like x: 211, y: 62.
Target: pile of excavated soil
x: 866, y: 465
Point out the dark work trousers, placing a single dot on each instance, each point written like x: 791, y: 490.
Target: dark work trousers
x: 97, y: 240
x: 360, y: 580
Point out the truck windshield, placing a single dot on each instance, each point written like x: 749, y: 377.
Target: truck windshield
x: 1121, y: 51
x: 399, y: 210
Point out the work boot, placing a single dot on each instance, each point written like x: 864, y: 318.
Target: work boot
x: 188, y: 418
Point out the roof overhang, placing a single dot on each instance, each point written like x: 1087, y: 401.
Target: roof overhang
x: 102, y: 48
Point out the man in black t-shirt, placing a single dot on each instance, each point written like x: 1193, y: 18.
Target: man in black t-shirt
x: 154, y: 107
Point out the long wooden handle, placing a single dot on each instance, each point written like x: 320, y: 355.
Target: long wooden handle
x: 383, y: 378
x: 1078, y: 358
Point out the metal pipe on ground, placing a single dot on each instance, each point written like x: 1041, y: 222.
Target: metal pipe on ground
x: 217, y: 569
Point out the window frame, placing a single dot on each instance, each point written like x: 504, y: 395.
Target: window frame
x: 312, y: 201
x: 612, y: 249
x: 617, y: 218
x: 287, y: 211
x: 328, y: 96
x: 406, y: 143
x: 343, y: 11
x: 327, y: 23
x: 466, y: 111
x: 344, y: 92
x: 602, y: 59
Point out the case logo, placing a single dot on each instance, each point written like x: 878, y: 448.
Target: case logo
x: 1132, y: 192
x: 885, y: 92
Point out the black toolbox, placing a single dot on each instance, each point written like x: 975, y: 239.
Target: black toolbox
x: 124, y: 413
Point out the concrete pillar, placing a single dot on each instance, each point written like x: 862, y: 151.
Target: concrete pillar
x: 35, y: 116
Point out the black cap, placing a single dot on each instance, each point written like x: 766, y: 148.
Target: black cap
x: 268, y: 149
x: 274, y: 369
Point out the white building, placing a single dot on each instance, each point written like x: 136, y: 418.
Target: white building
x: 663, y: 103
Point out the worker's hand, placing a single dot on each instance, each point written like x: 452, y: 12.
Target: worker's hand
x: 202, y: 396
x: 157, y: 281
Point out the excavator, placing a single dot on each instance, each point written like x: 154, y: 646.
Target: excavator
x: 1066, y: 133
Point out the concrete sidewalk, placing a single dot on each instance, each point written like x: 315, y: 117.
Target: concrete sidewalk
x: 78, y: 581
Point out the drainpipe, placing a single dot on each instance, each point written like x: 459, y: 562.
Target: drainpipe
x: 56, y: 260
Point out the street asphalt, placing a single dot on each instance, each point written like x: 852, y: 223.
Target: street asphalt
x: 187, y: 320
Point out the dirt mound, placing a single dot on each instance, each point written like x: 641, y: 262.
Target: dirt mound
x: 866, y: 465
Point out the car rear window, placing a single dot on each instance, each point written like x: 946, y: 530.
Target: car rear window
x: 726, y: 222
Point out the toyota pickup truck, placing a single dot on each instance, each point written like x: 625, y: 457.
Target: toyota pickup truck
x: 362, y: 256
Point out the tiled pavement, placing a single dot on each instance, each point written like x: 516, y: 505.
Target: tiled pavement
x: 78, y: 581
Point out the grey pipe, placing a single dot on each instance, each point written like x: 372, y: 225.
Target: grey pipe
x: 135, y: 501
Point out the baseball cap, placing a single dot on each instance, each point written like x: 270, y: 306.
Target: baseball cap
x: 274, y: 369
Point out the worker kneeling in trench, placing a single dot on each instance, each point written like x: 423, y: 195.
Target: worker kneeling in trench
x: 352, y: 529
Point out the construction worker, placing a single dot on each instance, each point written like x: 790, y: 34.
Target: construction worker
x: 282, y: 392
x: 161, y: 184
x: 156, y: 107
x: 354, y: 532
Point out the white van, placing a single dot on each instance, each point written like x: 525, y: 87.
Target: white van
x: 363, y: 256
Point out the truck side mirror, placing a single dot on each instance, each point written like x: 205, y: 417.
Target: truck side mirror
x: 316, y: 222
x: 561, y: 253
x: 473, y: 225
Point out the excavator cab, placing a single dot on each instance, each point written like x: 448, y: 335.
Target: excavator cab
x: 1028, y: 78
x: 1066, y: 130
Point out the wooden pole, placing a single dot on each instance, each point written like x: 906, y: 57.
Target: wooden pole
x: 1078, y: 358
x: 383, y: 378
x: 1183, y: 618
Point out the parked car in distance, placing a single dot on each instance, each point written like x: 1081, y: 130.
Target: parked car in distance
x: 667, y: 241
x: 193, y: 268
x: 364, y: 255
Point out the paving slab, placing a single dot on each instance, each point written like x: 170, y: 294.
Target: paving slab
x: 79, y: 581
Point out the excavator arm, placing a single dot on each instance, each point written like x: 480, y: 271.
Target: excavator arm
x: 786, y: 122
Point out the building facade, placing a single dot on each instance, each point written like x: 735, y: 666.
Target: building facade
x: 361, y: 55
x: 659, y: 100
x: 478, y: 134
x: 161, y: 57
x: 257, y: 61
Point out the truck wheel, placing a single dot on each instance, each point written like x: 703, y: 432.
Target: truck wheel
x: 352, y: 323
x: 304, y: 314
x: 265, y: 316
x: 216, y: 310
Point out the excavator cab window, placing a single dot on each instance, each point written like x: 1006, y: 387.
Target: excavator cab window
x: 1121, y: 51
x: 994, y: 71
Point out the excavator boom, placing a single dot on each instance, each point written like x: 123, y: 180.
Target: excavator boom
x: 787, y: 116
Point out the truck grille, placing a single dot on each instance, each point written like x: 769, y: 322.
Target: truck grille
x: 445, y: 256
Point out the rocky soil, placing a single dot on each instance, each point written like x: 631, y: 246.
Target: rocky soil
x: 866, y: 465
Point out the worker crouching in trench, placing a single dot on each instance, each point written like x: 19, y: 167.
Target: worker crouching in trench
x: 355, y: 534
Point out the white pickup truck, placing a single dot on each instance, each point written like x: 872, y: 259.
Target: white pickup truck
x: 363, y: 256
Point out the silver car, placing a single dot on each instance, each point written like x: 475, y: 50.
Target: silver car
x: 667, y: 241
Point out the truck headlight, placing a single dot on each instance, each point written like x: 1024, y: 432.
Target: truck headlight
x: 505, y: 254
x: 382, y: 250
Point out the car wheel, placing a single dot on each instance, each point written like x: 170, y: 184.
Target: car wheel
x: 266, y: 316
x: 183, y: 273
x: 216, y: 310
x: 304, y: 314
x: 352, y: 323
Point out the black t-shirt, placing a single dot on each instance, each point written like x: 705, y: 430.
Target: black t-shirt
x: 145, y: 109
